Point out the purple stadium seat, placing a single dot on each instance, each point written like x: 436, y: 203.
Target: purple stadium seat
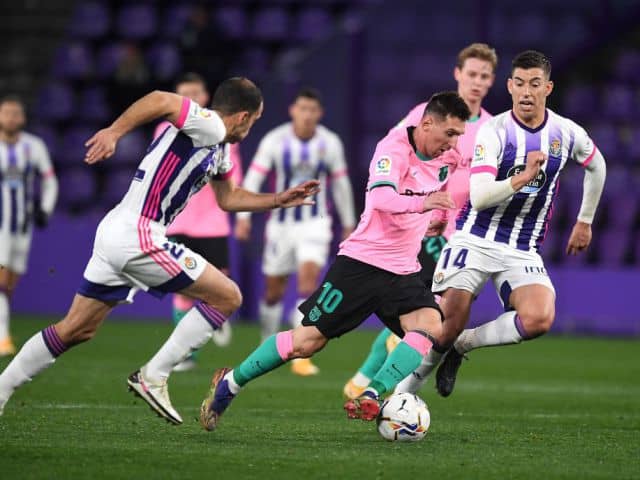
x: 117, y: 184
x: 622, y: 211
x: 627, y: 66
x: 431, y: 68
x: 109, y: 58
x: 612, y: 245
x: 77, y: 185
x: 313, y: 23
x: 384, y: 67
x: 568, y: 30
x: 73, y: 140
x: 441, y: 26
x: 633, y: 151
x: 530, y: 29
x: 90, y: 20
x: 636, y: 249
x: 579, y: 101
x: 271, y: 23
x: 50, y: 138
x: 137, y: 21
x: 618, y: 102
x: 95, y: 107
x: 233, y: 21
x: 605, y: 137
x: 174, y: 20
x: 131, y: 148
x: 165, y: 61
x: 55, y: 102
x: 253, y: 61
x: 73, y: 61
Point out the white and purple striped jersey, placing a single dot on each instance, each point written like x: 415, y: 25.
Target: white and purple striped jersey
x: 178, y: 163
x: 20, y: 162
x: 294, y: 161
x: 501, y: 149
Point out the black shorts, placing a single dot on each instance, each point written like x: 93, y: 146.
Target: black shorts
x: 353, y: 290
x: 215, y: 250
x: 428, y: 257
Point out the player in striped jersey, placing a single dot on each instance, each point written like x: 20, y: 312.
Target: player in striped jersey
x: 515, y: 173
x: 298, y: 239
x: 131, y: 250
x: 23, y: 156
x: 474, y: 73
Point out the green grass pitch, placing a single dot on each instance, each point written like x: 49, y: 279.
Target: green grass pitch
x: 556, y: 407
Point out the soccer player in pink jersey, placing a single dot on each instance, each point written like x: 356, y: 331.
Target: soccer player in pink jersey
x: 202, y: 226
x: 474, y: 72
x: 23, y: 156
x: 376, y: 270
x: 131, y: 250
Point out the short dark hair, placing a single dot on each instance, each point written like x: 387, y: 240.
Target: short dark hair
x: 443, y: 104
x: 237, y: 94
x: 190, y: 77
x: 531, y: 59
x: 12, y: 98
x: 309, y: 92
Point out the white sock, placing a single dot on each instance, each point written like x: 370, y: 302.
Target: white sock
x: 33, y: 357
x: 361, y: 380
x: 193, y: 331
x: 296, y: 316
x: 270, y: 318
x: 504, y: 330
x: 233, y: 386
x: 414, y: 382
x: 4, y: 315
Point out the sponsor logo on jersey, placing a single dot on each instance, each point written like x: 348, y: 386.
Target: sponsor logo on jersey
x: 443, y: 173
x: 555, y: 148
x: 478, y: 153
x: 190, y: 263
x: 534, y: 185
x: 204, y: 113
x: 383, y: 166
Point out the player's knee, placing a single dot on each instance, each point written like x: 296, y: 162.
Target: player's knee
x: 72, y: 332
x: 306, y: 343
x: 536, y: 320
x: 233, y: 298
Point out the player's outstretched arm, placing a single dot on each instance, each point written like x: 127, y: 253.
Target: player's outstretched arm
x: 155, y: 105
x: 232, y: 198
x: 594, y: 178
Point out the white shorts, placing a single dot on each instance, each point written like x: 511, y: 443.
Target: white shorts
x: 468, y: 261
x: 14, y: 251
x: 132, y: 253
x: 288, y: 245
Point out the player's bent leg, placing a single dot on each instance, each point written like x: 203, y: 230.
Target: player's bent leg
x: 308, y: 274
x: 42, y: 349
x: 377, y: 355
x: 535, y: 305
x: 226, y: 383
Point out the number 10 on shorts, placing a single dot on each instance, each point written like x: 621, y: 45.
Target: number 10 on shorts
x: 327, y: 301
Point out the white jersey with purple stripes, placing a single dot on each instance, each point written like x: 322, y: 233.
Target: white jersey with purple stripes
x: 179, y: 162
x: 20, y: 163
x: 501, y: 149
x: 294, y: 161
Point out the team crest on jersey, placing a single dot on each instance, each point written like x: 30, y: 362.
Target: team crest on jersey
x: 478, y: 153
x: 190, y: 263
x: 534, y: 185
x: 383, y: 166
x: 443, y: 173
x: 555, y: 148
x: 204, y: 113
x: 438, y: 277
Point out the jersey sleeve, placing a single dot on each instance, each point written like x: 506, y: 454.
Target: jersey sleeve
x: 583, y: 147
x: 388, y: 166
x: 204, y: 126
x: 226, y: 166
x: 42, y: 159
x: 486, y: 151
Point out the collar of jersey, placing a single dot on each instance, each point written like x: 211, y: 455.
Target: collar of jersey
x: 529, y: 129
x: 421, y: 156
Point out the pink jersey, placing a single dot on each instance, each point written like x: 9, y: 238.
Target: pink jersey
x: 202, y: 217
x: 459, y: 182
x: 391, y: 241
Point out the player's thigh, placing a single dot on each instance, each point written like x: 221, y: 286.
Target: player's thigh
x: 275, y: 287
x: 312, y: 241
x: 535, y: 304
x: 83, y: 319
x: 216, y: 289
x: 308, y: 274
x: 349, y: 293
x: 278, y: 256
x: 424, y: 319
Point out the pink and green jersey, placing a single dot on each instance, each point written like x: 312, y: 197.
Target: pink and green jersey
x: 390, y: 240
x: 459, y: 182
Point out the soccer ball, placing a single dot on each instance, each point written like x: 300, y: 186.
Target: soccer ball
x: 404, y: 417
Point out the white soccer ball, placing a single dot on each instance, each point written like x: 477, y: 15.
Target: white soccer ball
x: 404, y: 417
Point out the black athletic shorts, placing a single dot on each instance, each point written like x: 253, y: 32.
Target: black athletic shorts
x: 215, y: 250
x: 428, y: 257
x: 353, y: 290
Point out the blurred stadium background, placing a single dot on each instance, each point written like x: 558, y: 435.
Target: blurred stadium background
x: 79, y: 63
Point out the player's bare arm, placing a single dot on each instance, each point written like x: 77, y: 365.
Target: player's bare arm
x: 155, y: 105
x: 233, y: 198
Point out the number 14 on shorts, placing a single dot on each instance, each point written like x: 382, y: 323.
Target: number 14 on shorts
x: 459, y: 259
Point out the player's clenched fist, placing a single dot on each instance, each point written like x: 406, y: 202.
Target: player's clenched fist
x: 535, y: 160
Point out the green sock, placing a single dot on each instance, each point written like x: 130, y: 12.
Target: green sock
x: 262, y: 360
x: 377, y: 355
x: 400, y: 363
